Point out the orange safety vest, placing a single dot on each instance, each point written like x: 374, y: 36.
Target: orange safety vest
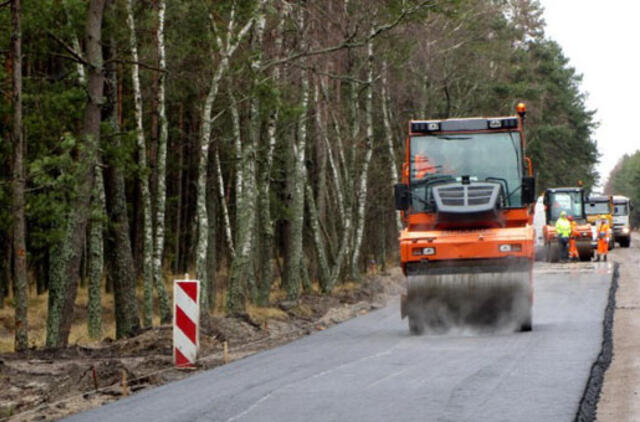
x: 573, y: 249
x: 603, y: 238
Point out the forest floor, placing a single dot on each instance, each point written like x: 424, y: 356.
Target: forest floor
x: 49, y: 384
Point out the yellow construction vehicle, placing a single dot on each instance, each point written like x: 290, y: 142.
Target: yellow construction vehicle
x: 597, y: 206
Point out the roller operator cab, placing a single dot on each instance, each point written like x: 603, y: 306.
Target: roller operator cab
x: 467, y: 249
x: 599, y: 205
x: 621, y: 224
x: 572, y: 201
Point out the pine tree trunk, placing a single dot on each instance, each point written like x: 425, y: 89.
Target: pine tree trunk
x: 65, y: 268
x: 95, y: 258
x: 161, y: 190
x: 362, y: 189
x: 122, y: 268
x: 147, y: 257
x: 18, y: 184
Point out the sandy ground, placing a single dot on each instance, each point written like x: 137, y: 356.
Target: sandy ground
x: 51, y: 384
x: 619, y: 400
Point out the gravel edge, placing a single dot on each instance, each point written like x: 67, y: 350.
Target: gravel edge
x: 587, y: 410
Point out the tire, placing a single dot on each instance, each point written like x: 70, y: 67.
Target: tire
x: 526, y: 326
x: 527, y: 321
x: 585, y: 252
x: 625, y: 242
x: 416, y: 326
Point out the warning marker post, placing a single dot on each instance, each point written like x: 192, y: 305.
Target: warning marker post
x: 186, y: 322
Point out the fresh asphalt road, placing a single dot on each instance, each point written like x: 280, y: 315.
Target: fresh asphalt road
x: 371, y: 369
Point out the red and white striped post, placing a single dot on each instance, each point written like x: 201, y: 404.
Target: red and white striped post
x: 186, y: 322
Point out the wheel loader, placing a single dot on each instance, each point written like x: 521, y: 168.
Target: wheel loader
x: 571, y: 200
x: 467, y: 246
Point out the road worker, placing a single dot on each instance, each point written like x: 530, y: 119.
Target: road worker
x: 604, y: 233
x: 563, y: 232
x: 573, y: 250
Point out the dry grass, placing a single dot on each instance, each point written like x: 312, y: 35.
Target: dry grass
x: 37, y: 319
x: 37, y: 313
x: 347, y: 287
x: 261, y: 314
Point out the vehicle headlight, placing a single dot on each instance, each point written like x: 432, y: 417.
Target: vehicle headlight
x: 625, y: 230
x: 515, y: 247
x: 424, y: 251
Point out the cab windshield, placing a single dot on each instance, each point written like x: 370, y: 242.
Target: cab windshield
x: 487, y: 157
x: 620, y: 209
x: 569, y: 202
x: 598, y: 208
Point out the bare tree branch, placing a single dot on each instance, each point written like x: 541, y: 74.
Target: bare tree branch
x: 141, y: 64
x: 77, y: 57
x: 349, y: 42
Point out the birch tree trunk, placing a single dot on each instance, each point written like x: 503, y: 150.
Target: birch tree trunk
x: 212, y: 255
x: 226, y: 51
x: 96, y: 256
x: 17, y: 186
x: 65, y: 268
x: 161, y: 189
x: 147, y: 254
x: 226, y: 221
x: 265, y: 223
x: 242, y: 270
x: 324, y: 274
x: 362, y: 189
x: 388, y: 133
x: 293, y: 260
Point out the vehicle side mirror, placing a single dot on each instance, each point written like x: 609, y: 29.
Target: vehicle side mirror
x: 402, y: 196
x: 528, y: 189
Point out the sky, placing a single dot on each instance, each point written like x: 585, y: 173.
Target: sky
x: 601, y: 38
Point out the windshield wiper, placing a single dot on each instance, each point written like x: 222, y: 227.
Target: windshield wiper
x: 454, y: 138
x: 432, y: 178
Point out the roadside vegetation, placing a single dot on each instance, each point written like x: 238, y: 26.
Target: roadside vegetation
x: 624, y: 179
x: 251, y: 144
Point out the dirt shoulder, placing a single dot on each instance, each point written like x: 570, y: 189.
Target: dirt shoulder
x: 50, y: 384
x: 619, y: 397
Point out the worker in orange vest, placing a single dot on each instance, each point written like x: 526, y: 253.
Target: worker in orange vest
x: 573, y: 250
x: 603, y: 233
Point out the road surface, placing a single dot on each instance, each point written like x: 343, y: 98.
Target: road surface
x: 371, y: 369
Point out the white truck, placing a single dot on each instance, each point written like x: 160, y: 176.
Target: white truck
x: 621, y: 224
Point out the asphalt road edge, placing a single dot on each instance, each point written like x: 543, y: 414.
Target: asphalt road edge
x: 587, y: 410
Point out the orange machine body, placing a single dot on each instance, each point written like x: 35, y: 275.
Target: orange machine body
x: 487, y: 244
